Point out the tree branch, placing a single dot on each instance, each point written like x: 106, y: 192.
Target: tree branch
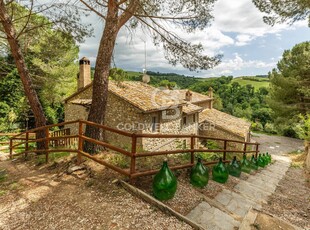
x: 27, y: 22
x: 121, y: 2
x: 93, y: 9
x: 128, y: 13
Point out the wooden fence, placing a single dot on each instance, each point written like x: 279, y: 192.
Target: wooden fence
x: 23, y: 139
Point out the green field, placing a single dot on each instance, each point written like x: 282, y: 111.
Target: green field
x: 255, y: 81
x: 257, y: 84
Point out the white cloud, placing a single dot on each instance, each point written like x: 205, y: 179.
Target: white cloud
x: 237, y: 63
x: 243, y: 39
x: 236, y: 24
x: 243, y: 17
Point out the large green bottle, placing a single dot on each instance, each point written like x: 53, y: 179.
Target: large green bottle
x: 199, y: 175
x: 245, y: 164
x: 164, y: 183
x: 261, y: 162
x: 266, y: 159
x: 220, y: 172
x: 269, y: 157
x: 254, y: 163
x: 234, y: 168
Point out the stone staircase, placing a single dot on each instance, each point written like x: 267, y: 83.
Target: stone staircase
x: 238, y: 203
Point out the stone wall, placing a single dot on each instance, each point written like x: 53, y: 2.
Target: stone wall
x: 173, y: 126
x: 75, y: 111
x: 207, y: 129
x: 124, y: 116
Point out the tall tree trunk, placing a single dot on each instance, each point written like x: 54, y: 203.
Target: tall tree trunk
x: 22, y: 70
x: 101, y: 78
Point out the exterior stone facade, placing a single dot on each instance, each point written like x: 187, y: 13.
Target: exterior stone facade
x: 211, y: 130
x: 141, y: 108
x: 124, y: 116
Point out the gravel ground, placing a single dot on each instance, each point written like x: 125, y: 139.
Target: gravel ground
x: 44, y: 198
x: 291, y: 200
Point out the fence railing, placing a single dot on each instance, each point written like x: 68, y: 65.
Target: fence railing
x: 24, y: 139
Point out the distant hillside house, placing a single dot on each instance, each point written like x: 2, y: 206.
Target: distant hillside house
x: 139, y: 107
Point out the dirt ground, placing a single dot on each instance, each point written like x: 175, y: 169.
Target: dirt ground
x: 291, y: 200
x: 34, y: 197
x: 47, y: 197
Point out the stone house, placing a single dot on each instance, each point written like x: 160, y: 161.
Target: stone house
x: 138, y: 107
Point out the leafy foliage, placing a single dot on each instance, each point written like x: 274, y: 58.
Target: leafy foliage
x: 289, y: 89
x: 50, y: 55
x: 280, y: 11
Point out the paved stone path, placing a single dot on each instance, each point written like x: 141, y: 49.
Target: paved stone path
x: 277, y: 145
x: 247, y: 194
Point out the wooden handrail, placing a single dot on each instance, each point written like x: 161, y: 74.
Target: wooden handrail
x: 104, y: 144
x: 47, y: 126
x: 146, y: 154
x: 132, y: 172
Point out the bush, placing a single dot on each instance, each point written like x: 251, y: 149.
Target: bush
x: 257, y: 126
x: 269, y: 128
x: 289, y: 132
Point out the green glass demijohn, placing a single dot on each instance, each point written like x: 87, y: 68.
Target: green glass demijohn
x: 254, y: 163
x: 245, y: 164
x: 269, y: 157
x: 164, y: 183
x: 261, y: 162
x: 199, y: 175
x: 266, y: 159
x: 220, y: 172
x: 234, y: 168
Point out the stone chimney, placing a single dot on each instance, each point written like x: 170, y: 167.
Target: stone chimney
x: 188, y: 95
x: 84, y: 75
x: 210, y: 93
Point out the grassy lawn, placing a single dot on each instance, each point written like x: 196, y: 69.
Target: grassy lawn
x: 256, y: 84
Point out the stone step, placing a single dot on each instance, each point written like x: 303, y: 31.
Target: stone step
x: 240, y: 201
x: 212, y: 218
x: 235, y: 202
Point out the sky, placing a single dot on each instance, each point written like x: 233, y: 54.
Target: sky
x: 248, y: 45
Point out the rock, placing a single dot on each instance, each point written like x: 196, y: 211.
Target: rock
x: 74, y: 168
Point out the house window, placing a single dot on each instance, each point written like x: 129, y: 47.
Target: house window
x: 184, y: 121
x: 155, y: 124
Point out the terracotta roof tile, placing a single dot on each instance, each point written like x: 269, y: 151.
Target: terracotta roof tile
x: 191, y: 108
x: 225, y: 121
x: 148, y: 98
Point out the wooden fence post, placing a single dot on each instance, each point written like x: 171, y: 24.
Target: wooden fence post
x: 256, y: 153
x: 192, y: 149
x: 225, y: 148
x: 80, y: 143
x: 11, y: 148
x: 244, y: 148
x: 133, y: 154
x: 46, y: 143
x: 27, y: 145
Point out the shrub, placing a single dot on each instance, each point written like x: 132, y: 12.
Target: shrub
x: 288, y: 131
x: 257, y: 126
x: 269, y: 128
